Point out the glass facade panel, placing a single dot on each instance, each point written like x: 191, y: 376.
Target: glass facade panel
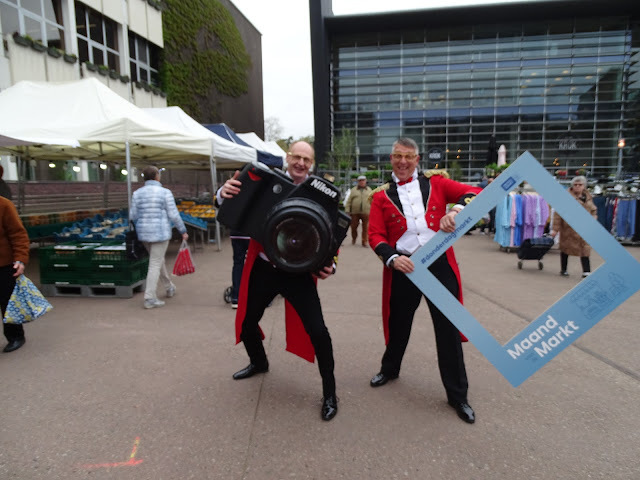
x: 527, y: 84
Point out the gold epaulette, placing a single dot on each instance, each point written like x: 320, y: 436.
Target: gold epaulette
x: 431, y: 173
x: 381, y: 188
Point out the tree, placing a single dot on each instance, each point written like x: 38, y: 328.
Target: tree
x: 455, y: 171
x: 272, y: 129
x: 344, y: 152
x: 285, y: 143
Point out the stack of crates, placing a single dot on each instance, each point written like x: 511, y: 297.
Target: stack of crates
x: 90, y: 263
x: 111, y: 266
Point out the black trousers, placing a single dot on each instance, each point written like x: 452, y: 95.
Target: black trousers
x: 7, y: 282
x: 405, y: 299
x: 240, y: 247
x: 300, y: 290
x: 564, y: 261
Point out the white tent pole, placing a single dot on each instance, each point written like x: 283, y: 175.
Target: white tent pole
x: 214, y: 183
x: 128, y: 155
x: 20, y: 182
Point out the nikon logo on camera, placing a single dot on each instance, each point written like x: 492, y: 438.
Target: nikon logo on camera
x: 318, y: 185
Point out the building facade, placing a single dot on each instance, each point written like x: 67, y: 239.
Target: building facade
x: 122, y: 44
x: 118, y: 42
x: 557, y: 78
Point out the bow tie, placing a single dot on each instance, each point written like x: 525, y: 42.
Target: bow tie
x: 405, y: 181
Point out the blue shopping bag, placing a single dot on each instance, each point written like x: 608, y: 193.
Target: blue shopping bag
x: 26, y: 303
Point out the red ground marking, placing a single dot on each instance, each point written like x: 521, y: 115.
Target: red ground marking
x: 129, y: 463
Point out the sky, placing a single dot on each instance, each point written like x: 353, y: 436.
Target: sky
x: 286, y: 51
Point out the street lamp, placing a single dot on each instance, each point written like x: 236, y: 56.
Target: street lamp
x: 621, y: 144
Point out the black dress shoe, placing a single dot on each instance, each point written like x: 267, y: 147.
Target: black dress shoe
x: 380, y: 379
x: 14, y: 345
x: 249, y: 371
x: 329, y: 407
x: 464, y: 410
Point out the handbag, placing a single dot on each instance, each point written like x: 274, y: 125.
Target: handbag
x: 26, y: 303
x: 184, y: 264
x: 134, y: 247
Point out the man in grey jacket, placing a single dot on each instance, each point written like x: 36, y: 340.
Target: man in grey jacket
x: 153, y: 209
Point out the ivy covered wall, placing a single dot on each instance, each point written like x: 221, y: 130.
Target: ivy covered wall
x: 206, y: 67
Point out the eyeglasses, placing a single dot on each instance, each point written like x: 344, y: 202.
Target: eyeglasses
x: 297, y: 158
x: 399, y: 156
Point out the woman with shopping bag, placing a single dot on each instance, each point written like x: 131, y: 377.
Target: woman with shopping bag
x: 14, y: 254
x: 153, y: 210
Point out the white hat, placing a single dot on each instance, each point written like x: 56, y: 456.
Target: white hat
x: 362, y: 177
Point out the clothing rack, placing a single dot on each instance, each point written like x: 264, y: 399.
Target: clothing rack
x: 520, y: 216
x: 620, y: 215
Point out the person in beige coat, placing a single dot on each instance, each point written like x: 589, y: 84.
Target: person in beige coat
x: 358, y: 206
x: 570, y: 242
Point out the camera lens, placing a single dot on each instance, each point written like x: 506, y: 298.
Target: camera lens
x: 298, y: 235
x: 296, y: 240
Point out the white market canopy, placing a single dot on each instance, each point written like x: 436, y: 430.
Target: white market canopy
x: 86, y: 120
x: 256, y: 142
x: 227, y: 154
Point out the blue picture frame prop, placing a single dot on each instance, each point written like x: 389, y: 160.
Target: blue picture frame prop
x: 567, y: 319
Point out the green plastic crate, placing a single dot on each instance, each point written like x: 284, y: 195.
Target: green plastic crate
x: 114, y: 273
x: 114, y: 254
x: 73, y: 255
x: 65, y: 276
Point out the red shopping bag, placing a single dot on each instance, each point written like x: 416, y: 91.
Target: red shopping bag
x: 184, y: 264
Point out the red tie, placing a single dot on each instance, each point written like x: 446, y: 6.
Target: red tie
x: 405, y: 181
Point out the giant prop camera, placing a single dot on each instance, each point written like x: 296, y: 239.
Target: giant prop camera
x: 299, y: 226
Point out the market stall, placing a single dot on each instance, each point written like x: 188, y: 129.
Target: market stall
x: 86, y: 120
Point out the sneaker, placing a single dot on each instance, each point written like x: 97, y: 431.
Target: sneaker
x: 585, y: 274
x: 171, y: 291
x: 153, y: 303
x: 564, y: 273
x: 234, y: 305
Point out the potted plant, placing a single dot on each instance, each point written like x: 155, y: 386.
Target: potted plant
x: 91, y: 66
x: 158, y: 5
x: 103, y: 70
x: 114, y: 75
x: 25, y: 41
x: 54, y: 52
x: 38, y: 46
x: 124, y: 78
x: 70, y: 57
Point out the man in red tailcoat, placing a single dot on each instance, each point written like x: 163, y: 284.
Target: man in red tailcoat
x: 307, y: 334
x: 405, y: 214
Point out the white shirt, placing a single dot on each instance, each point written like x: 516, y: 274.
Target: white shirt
x: 418, y: 233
